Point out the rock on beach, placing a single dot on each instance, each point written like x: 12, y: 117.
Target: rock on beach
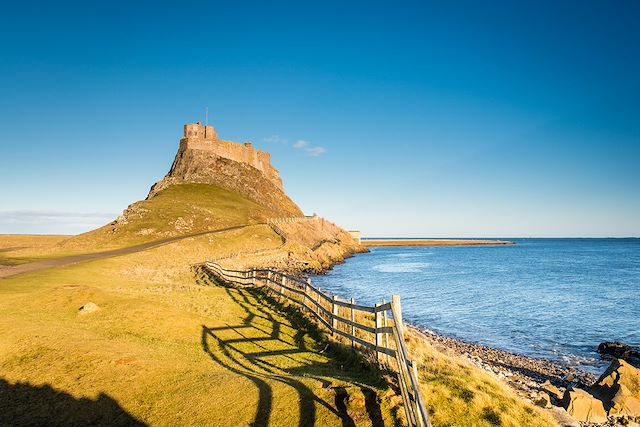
x: 583, y: 407
x: 619, y: 388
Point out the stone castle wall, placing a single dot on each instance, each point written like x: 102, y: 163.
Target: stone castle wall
x: 198, y: 137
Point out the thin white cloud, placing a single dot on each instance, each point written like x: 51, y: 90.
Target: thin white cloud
x: 316, y: 151
x: 19, y: 215
x: 305, y: 146
x: 52, y: 222
x: 274, y: 139
x: 298, y: 144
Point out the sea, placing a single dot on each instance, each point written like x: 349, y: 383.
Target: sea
x: 555, y: 299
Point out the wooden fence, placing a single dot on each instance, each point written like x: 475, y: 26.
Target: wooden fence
x: 292, y: 219
x: 378, y: 328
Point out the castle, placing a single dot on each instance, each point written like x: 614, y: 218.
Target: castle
x: 198, y: 137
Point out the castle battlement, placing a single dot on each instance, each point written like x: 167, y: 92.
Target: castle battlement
x: 197, y: 131
x: 204, y: 138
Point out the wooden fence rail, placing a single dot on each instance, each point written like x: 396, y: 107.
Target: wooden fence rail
x: 364, y: 326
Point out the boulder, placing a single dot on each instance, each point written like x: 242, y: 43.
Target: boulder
x: 624, y: 403
x: 89, y: 307
x: 552, y: 390
x: 619, y: 388
x: 620, y: 351
x: 619, y: 372
x: 583, y: 407
x: 543, y: 400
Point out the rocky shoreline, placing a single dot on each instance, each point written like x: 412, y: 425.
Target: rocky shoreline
x: 542, y: 382
x: 524, y: 373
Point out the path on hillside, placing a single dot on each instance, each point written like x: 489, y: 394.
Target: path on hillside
x: 75, y: 259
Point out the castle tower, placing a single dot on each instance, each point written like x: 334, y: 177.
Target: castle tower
x: 205, y: 141
x: 195, y: 131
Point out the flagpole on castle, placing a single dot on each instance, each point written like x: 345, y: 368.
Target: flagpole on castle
x: 206, y: 120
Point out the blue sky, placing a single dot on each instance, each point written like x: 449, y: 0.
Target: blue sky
x: 418, y: 119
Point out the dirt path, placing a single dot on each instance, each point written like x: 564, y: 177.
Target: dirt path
x: 75, y: 259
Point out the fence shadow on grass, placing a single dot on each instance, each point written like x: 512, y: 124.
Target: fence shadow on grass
x: 264, y: 350
x: 24, y: 404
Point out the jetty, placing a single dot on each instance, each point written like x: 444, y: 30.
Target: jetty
x: 371, y: 243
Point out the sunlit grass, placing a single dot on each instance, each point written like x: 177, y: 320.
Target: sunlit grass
x: 171, y: 350
x: 22, y: 248
x: 460, y: 394
x: 179, y: 210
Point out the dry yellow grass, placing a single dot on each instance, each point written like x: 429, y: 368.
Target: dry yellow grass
x: 166, y: 350
x: 460, y: 394
x: 24, y: 241
x: 178, y: 210
x: 21, y: 248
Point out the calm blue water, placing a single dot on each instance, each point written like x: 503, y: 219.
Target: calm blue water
x: 550, y: 298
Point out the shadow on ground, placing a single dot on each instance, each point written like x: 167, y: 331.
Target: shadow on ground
x: 23, y: 404
x: 264, y: 350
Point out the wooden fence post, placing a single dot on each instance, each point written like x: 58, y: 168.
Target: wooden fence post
x: 253, y: 278
x: 416, y: 392
x: 282, y: 282
x: 386, y: 334
x: 353, y: 319
x: 307, y: 285
x: 334, y: 312
x: 378, y: 318
x: 318, y: 301
x: 395, y: 302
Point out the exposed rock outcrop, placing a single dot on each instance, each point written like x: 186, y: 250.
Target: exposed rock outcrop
x: 553, y: 391
x: 311, y: 245
x: 619, y: 388
x: 583, y: 407
x: 235, y: 167
x: 619, y: 350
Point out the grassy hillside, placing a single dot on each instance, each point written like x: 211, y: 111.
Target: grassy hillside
x: 179, y: 210
x: 165, y: 349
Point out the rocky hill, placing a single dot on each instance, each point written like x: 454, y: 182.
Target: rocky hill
x: 203, y: 158
x: 214, y: 185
